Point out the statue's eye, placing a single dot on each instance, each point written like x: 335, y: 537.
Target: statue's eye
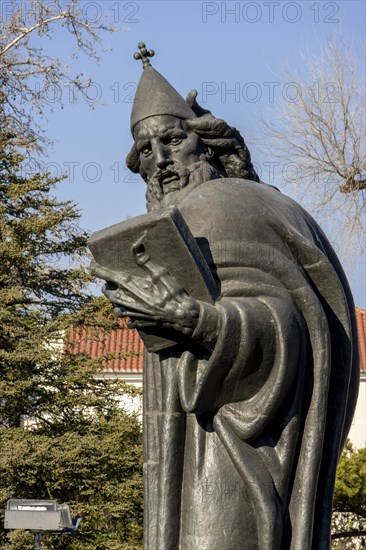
x: 176, y: 141
x: 146, y: 151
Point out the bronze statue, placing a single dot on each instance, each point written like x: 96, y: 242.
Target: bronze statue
x: 246, y: 415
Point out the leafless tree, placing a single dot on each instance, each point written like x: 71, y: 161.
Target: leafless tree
x: 27, y: 70
x: 348, y: 531
x: 320, y: 126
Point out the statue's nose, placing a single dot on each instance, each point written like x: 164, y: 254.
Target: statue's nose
x: 160, y: 153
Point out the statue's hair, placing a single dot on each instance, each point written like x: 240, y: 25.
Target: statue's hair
x: 230, y: 152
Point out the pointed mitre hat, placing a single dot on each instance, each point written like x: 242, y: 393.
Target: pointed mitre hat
x: 154, y: 95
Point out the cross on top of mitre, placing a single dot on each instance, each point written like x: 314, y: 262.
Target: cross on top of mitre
x: 144, y: 54
x: 155, y: 96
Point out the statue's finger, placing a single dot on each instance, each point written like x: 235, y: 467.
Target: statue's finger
x: 109, y: 293
x: 133, y: 314
x: 141, y: 324
x: 161, y: 278
x: 144, y: 260
x: 109, y: 275
x: 131, y: 306
x: 139, y: 253
x: 99, y: 271
x: 187, y: 331
x: 115, y: 295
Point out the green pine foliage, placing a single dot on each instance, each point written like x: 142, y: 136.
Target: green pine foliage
x: 63, y: 435
x: 349, y: 516
x: 350, y: 488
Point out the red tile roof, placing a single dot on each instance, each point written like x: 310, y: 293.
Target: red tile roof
x: 124, y: 343
x: 361, y: 325
x: 128, y: 346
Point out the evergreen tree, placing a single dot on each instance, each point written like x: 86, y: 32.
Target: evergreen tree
x: 349, y: 516
x: 62, y: 435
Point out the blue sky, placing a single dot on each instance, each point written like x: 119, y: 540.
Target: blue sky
x: 228, y: 51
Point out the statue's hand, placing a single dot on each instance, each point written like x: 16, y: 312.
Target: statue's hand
x: 157, y: 298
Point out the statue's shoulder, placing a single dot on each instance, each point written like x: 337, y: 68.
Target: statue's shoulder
x: 226, y: 193
x: 252, y: 206
x: 226, y: 204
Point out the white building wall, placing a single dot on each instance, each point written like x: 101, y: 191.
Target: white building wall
x: 357, y: 432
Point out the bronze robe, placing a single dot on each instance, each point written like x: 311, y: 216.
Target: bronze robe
x: 242, y: 436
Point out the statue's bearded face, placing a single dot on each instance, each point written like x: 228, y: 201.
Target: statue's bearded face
x: 172, y: 157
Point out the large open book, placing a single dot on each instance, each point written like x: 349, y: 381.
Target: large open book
x: 166, y: 238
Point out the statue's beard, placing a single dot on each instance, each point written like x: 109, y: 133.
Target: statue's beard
x: 165, y: 186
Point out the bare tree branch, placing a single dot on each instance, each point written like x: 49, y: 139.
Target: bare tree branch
x: 324, y: 131
x: 29, y: 30
x: 348, y: 534
x: 27, y: 71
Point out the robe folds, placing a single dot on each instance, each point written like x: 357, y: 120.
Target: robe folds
x: 242, y: 433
